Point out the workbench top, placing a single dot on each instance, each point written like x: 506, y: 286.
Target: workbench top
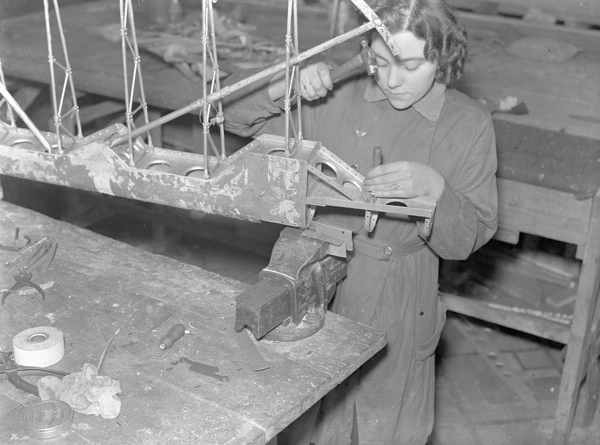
x: 96, y: 285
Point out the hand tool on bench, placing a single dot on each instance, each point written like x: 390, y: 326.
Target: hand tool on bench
x: 290, y: 300
x: 33, y: 257
x: 14, y: 373
x: 202, y: 368
x: 174, y: 334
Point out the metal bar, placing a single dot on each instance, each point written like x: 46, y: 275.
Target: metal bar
x: 13, y: 103
x: 123, y: 11
x: 287, y: 101
x: 9, y: 110
x: 204, y: 114
x: 138, y: 63
x: 68, y: 72
x: 296, y: 79
x: 52, y: 77
x: 245, y: 82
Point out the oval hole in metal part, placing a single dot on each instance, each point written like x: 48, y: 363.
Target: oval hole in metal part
x: 327, y: 170
x: 159, y: 166
x: 23, y: 143
x: 352, y: 186
x: 396, y: 203
x: 196, y: 172
x: 280, y: 152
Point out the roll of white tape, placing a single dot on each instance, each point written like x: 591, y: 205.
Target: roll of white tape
x: 41, y: 347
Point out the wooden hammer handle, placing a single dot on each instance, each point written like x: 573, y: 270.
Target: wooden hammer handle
x: 350, y: 66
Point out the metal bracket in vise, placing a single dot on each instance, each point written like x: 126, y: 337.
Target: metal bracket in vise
x: 290, y: 300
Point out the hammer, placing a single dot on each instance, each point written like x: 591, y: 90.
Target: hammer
x: 364, y: 59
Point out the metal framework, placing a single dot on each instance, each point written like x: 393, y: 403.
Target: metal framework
x: 59, y: 104
x: 129, y: 46
x: 276, y: 179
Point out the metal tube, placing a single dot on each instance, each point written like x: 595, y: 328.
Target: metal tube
x: 288, y: 44
x: 138, y: 64
x: 52, y: 77
x: 68, y: 71
x: 298, y: 131
x: 13, y: 103
x: 9, y: 111
x: 204, y: 114
x: 123, y: 12
x: 245, y: 82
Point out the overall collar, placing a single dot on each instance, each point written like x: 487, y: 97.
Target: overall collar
x: 429, y: 106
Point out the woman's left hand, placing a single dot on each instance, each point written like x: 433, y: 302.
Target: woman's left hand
x: 404, y: 179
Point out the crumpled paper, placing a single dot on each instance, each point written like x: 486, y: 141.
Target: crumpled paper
x: 84, y: 391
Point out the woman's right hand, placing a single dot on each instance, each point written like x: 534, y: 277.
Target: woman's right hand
x: 315, y: 82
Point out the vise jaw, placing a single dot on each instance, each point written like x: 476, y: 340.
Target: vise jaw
x: 290, y: 300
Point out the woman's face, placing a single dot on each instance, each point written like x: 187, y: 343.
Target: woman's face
x: 405, y: 78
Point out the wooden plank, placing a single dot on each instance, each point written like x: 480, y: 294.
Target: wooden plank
x: 520, y: 322
x: 577, y: 352
x: 96, y: 285
x: 588, y: 11
x: 559, y: 96
x: 544, y: 212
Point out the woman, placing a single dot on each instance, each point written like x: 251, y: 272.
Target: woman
x: 436, y: 142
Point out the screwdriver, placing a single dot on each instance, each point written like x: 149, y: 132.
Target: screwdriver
x: 174, y: 334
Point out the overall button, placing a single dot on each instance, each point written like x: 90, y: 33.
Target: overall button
x: 387, y: 250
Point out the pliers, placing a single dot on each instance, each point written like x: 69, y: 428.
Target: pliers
x: 33, y: 257
x: 22, y: 278
x: 14, y: 373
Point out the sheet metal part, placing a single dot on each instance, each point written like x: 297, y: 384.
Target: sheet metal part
x: 257, y: 183
x: 202, y: 368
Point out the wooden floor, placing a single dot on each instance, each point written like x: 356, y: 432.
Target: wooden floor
x: 493, y: 386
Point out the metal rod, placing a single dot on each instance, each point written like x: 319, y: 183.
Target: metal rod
x: 13, y: 103
x: 52, y: 77
x: 245, y: 82
x: 68, y: 70
x: 217, y: 82
x: 138, y: 65
x: 9, y: 110
x: 204, y: 114
x: 123, y: 12
x: 297, y: 132
x: 288, y: 49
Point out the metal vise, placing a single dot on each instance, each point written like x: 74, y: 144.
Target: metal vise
x: 290, y: 300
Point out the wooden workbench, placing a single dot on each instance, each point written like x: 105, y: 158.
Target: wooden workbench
x: 96, y: 285
x: 539, y: 198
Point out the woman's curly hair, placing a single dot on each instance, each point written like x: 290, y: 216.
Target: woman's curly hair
x: 434, y: 22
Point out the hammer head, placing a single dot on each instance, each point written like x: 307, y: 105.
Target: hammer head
x: 368, y: 57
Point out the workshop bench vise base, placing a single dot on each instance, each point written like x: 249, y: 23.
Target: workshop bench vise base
x: 290, y: 300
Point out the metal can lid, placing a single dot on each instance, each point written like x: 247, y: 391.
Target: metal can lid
x: 47, y: 419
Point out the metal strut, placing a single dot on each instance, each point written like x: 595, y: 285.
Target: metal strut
x: 57, y: 104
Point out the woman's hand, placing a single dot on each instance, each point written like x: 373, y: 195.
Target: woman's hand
x: 403, y: 179
x: 315, y: 82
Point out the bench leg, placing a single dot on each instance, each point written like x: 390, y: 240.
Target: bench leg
x: 580, y: 337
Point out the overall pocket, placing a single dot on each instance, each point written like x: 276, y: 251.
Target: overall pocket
x: 426, y: 350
